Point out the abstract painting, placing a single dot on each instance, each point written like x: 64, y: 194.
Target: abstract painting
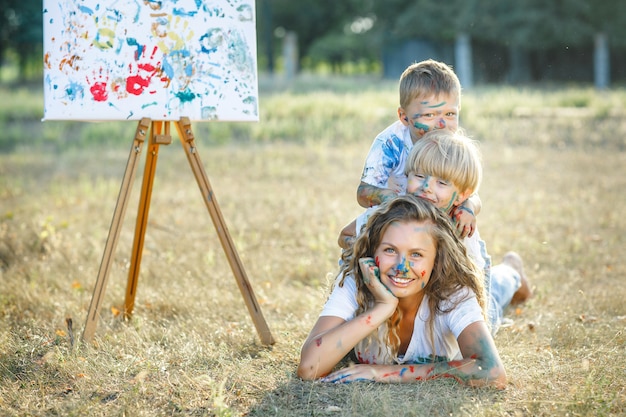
x: 161, y: 59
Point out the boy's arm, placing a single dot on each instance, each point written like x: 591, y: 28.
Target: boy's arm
x: 347, y: 235
x: 465, y: 214
x: 368, y: 195
x: 474, y: 204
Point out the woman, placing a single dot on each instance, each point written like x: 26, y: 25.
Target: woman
x: 411, y: 304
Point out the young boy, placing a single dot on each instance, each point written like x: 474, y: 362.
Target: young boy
x: 430, y: 99
x: 445, y: 168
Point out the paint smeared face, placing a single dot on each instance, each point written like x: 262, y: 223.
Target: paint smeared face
x: 430, y: 113
x: 443, y: 194
x: 405, y: 257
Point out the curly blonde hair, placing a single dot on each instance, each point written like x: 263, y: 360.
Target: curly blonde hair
x: 453, y: 269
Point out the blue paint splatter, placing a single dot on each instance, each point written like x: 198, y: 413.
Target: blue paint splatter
x: 186, y: 96
x: 85, y: 9
x: 140, y: 48
x: 74, y: 91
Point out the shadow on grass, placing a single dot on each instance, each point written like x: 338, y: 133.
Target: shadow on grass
x: 435, y: 398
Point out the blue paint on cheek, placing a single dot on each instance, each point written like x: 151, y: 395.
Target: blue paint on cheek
x: 421, y: 126
x: 451, y: 202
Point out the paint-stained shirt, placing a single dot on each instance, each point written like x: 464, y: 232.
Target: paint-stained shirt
x: 386, y: 160
x: 448, y: 326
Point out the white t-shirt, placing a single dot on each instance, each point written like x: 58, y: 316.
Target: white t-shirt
x: 342, y: 303
x: 386, y: 160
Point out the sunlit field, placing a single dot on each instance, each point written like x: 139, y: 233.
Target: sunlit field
x: 553, y: 191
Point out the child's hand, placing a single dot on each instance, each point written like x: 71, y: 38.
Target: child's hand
x: 465, y: 221
x: 371, y: 278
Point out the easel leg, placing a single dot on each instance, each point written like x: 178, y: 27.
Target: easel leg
x: 156, y: 139
x: 187, y: 139
x: 114, y: 231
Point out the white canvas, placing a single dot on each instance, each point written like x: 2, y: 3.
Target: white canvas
x: 128, y: 59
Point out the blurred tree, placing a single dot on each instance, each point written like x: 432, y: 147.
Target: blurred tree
x: 22, y: 32
x: 313, y: 20
x: 533, y: 34
x: 7, y: 27
x: 531, y: 30
x: 265, y: 30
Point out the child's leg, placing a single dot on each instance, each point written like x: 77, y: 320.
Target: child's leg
x: 509, y: 285
x: 524, y: 292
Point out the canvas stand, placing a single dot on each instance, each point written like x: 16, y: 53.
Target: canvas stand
x: 159, y: 134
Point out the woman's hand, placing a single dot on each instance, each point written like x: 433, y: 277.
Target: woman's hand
x: 371, y: 278
x: 355, y: 373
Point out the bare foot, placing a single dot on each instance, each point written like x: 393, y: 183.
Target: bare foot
x: 513, y: 260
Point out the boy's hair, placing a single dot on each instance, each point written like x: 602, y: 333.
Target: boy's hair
x: 449, y: 156
x: 453, y: 269
x: 428, y: 77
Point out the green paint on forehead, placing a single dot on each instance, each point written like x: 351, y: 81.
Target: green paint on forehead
x: 425, y: 103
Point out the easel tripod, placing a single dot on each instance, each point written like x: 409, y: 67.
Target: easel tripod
x: 160, y: 135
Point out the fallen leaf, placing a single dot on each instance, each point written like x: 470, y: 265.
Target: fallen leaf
x: 583, y: 318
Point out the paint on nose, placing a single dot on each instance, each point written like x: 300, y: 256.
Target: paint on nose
x: 403, y: 266
x: 441, y: 124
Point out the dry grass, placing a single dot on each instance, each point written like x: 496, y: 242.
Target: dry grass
x: 191, y: 347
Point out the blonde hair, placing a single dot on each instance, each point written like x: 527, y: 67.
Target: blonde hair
x: 450, y: 156
x: 453, y: 269
x: 427, y: 77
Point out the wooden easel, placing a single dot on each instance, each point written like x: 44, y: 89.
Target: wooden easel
x: 160, y: 135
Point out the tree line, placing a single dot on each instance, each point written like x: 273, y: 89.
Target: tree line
x: 501, y: 40
x: 510, y: 40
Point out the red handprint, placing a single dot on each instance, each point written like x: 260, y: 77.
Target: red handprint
x: 98, y: 85
x: 136, y: 84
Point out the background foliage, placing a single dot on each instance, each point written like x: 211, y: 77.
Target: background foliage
x: 336, y: 36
